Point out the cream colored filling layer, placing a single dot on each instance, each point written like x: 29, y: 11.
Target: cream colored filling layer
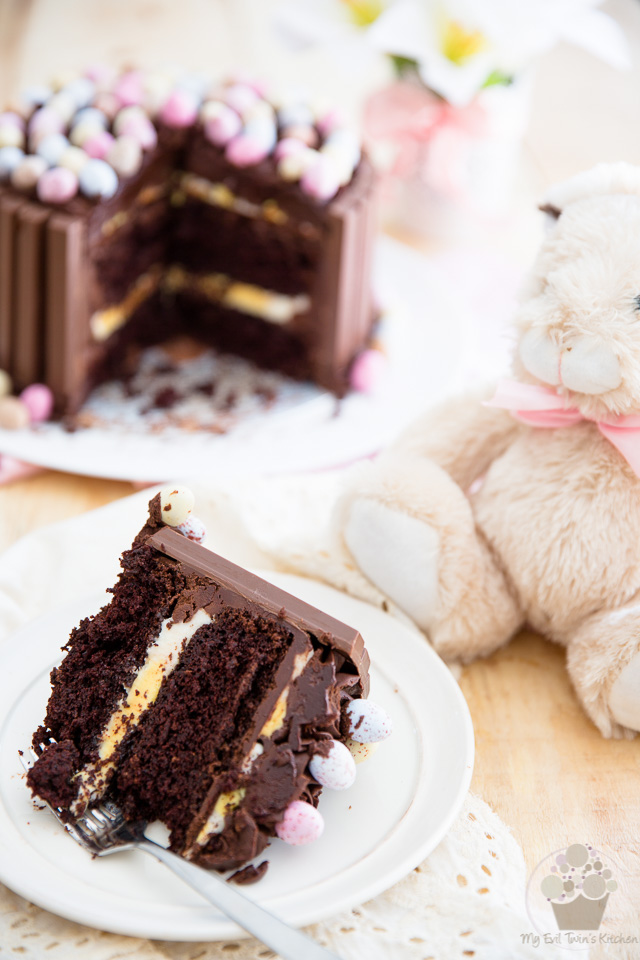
x: 162, y: 658
x: 228, y: 802
x: 278, y: 308
x: 219, y: 195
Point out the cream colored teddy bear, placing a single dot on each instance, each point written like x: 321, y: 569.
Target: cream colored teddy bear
x: 478, y: 521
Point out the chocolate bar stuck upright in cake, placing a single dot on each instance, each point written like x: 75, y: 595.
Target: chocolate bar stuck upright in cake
x: 206, y: 698
x: 218, y: 215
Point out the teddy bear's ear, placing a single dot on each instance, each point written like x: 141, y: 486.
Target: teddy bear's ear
x: 603, y: 179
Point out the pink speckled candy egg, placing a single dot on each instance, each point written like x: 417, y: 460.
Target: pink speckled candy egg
x: 129, y: 88
x: 38, y: 398
x: 141, y: 129
x: 180, y: 110
x: 107, y: 103
x: 193, y: 528
x: 367, y: 371
x: 245, y: 151
x: 10, y: 116
x: 330, y: 121
x: 223, y: 127
x: 287, y: 147
x: 301, y: 824
x: 57, y: 185
x: 99, y: 145
x: 100, y: 74
x: 240, y: 96
x: 322, y: 180
x: 367, y: 722
x: 42, y: 123
x: 336, y: 771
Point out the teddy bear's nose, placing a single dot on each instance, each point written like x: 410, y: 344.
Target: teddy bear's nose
x: 583, y: 364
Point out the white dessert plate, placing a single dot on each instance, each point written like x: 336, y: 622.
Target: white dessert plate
x: 402, y: 804
x: 305, y: 429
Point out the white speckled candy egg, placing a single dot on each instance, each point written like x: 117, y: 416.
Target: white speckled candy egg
x: 84, y: 130
x: 35, y: 95
x: 156, y: 87
x: 176, y: 504
x: 27, y: 173
x: 98, y: 179
x: 294, y: 166
x: 125, y: 156
x: 360, y: 751
x: 193, y: 529
x: 125, y: 116
x: 368, y: 723
x: 301, y: 824
x: 11, y: 135
x: 10, y: 157
x: 92, y: 115
x: 52, y: 147
x: 81, y: 90
x: 337, y: 770
x: 64, y: 105
x: 74, y: 159
x: 295, y: 114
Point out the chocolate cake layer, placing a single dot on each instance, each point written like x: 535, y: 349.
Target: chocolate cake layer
x: 198, y: 697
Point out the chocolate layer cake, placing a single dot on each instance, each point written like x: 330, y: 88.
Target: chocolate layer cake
x: 137, y: 207
x: 204, y: 697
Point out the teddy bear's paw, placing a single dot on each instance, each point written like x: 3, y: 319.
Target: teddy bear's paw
x: 624, y: 696
x: 399, y: 554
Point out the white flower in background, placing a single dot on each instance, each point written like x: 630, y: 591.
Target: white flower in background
x: 458, y: 46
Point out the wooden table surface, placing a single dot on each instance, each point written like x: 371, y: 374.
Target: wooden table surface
x: 540, y: 763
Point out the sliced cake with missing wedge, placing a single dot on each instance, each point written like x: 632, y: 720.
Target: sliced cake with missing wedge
x: 204, y: 697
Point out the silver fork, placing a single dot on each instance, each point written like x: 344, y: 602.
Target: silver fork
x: 103, y: 830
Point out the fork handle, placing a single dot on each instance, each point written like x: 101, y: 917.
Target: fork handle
x: 286, y: 941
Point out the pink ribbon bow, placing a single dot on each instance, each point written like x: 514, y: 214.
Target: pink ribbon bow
x: 542, y: 407
x: 410, y: 117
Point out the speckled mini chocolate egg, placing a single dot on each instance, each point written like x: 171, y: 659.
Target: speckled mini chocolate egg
x: 14, y: 414
x: 10, y: 157
x: 222, y: 125
x: 322, y: 180
x: 98, y: 179
x: 38, y: 399
x: 240, y: 96
x: 84, y: 130
x: 52, y: 147
x: 125, y: 156
x: 11, y: 135
x: 301, y: 824
x: 176, y: 504
x: 64, y: 105
x: 81, y: 90
x: 74, y: 159
x: 57, y: 185
x: 193, y: 529
x: 125, y: 116
x: 293, y: 166
x: 304, y: 132
x: 367, y: 722
x: 360, y: 751
x: 27, y: 173
x: 336, y: 770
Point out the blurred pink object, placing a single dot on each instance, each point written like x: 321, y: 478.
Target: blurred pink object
x: 180, y: 110
x: 11, y: 469
x: 412, y: 118
x: 368, y: 369
x: 38, y: 399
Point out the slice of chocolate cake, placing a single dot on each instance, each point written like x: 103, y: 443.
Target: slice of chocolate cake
x: 206, y: 698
